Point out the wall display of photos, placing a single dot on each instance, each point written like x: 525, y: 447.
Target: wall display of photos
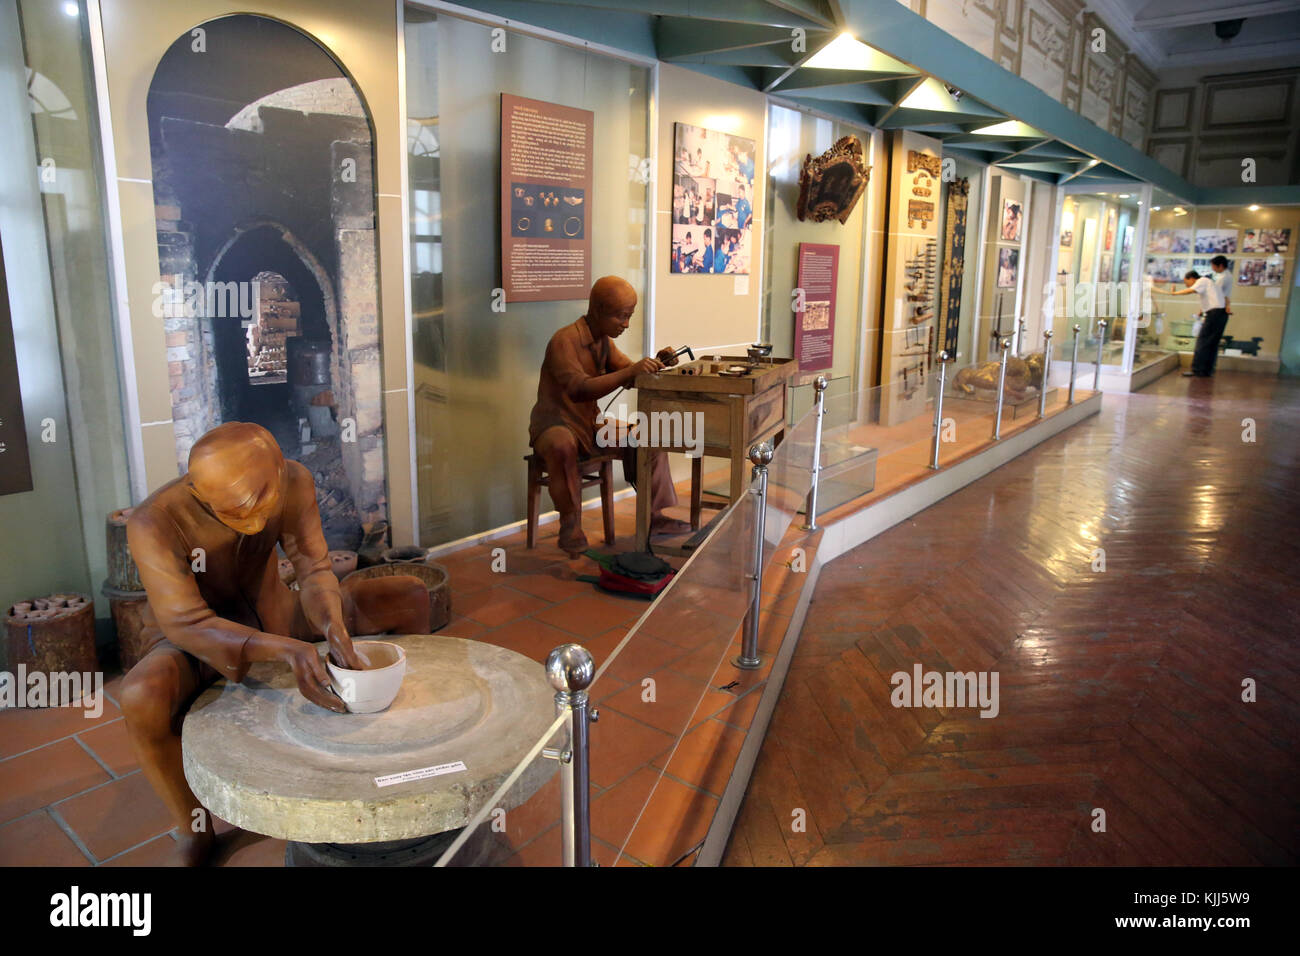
x: 1163, y: 269
x: 713, y: 191
x: 1012, y: 220
x: 1216, y: 242
x: 1170, y: 241
x: 1266, y: 240
x: 1260, y: 272
x: 1008, y: 268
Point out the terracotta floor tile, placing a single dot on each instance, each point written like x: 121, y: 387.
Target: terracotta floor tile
x: 464, y: 628
x: 554, y: 584
x: 590, y: 614
x: 675, y: 700
x: 705, y: 757
x: 741, y: 713
x: 112, y: 746
x: 36, y: 840
x: 643, y: 656
x: 39, y: 778
x: 614, y: 811
x: 704, y: 662
x: 675, y: 820
x: 499, y: 605
x: 116, y: 816
x: 160, y: 851
x: 528, y: 636
x: 603, y: 645
x: 620, y: 745
x: 23, y: 728
x: 539, y: 812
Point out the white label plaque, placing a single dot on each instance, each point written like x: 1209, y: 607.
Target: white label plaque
x: 406, y: 776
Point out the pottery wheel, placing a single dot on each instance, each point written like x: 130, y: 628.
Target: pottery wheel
x: 265, y: 758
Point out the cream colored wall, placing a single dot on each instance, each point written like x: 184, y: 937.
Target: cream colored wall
x: 704, y: 311
x: 362, y: 35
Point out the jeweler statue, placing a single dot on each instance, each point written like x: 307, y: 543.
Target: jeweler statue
x: 205, y: 545
x: 582, y: 365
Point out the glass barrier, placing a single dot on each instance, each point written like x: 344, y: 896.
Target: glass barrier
x: 660, y: 688
x: 518, y: 823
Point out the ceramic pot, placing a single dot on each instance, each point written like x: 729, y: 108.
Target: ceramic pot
x: 373, y: 689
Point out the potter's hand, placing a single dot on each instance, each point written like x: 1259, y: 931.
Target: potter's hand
x: 313, y: 679
x: 341, y: 650
x: 646, y: 365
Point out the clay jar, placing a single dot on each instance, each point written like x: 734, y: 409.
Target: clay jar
x: 373, y: 689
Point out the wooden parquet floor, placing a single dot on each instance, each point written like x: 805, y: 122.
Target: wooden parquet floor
x: 1119, y: 689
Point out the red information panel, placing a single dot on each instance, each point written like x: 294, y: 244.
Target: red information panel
x: 814, y: 327
x: 546, y: 163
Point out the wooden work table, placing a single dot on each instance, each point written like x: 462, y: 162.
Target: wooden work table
x: 735, y: 410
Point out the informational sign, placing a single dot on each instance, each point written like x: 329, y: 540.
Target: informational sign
x: 814, y: 329
x: 546, y: 178
x: 15, y: 462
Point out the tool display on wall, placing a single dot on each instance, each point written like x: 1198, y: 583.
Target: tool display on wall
x: 919, y: 275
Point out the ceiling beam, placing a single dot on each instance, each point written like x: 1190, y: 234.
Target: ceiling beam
x: 677, y: 37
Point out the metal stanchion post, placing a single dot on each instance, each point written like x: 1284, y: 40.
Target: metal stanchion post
x: 1004, y: 346
x: 938, y: 410
x: 761, y: 456
x: 1074, y: 364
x: 810, y: 506
x: 570, y: 669
x: 1101, y: 341
x: 1047, y: 373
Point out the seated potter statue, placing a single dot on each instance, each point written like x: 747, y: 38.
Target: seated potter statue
x: 583, y: 365
x: 205, y: 545
x: 1020, y: 377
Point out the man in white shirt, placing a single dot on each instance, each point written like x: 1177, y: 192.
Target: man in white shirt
x: 1223, y: 279
x: 1214, y: 318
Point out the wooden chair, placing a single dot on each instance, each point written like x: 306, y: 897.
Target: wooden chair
x: 598, y: 469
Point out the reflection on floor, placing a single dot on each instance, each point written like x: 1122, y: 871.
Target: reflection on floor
x: 1120, y: 690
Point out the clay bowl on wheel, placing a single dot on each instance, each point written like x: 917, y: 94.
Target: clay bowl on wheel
x: 373, y: 689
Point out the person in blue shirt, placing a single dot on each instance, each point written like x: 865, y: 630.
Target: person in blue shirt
x: 707, y: 262
x: 743, y: 210
x: 720, y: 257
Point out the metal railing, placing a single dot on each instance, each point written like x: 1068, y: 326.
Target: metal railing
x: 769, y: 507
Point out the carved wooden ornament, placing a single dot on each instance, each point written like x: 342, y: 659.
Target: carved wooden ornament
x: 831, y: 185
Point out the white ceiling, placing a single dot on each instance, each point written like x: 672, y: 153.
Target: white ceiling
x: 1174, y: 34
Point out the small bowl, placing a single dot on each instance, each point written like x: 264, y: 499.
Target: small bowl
x: 371, y: 690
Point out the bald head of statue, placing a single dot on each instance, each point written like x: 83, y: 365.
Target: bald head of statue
x: 237, y: 470
x: 610, y: 307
